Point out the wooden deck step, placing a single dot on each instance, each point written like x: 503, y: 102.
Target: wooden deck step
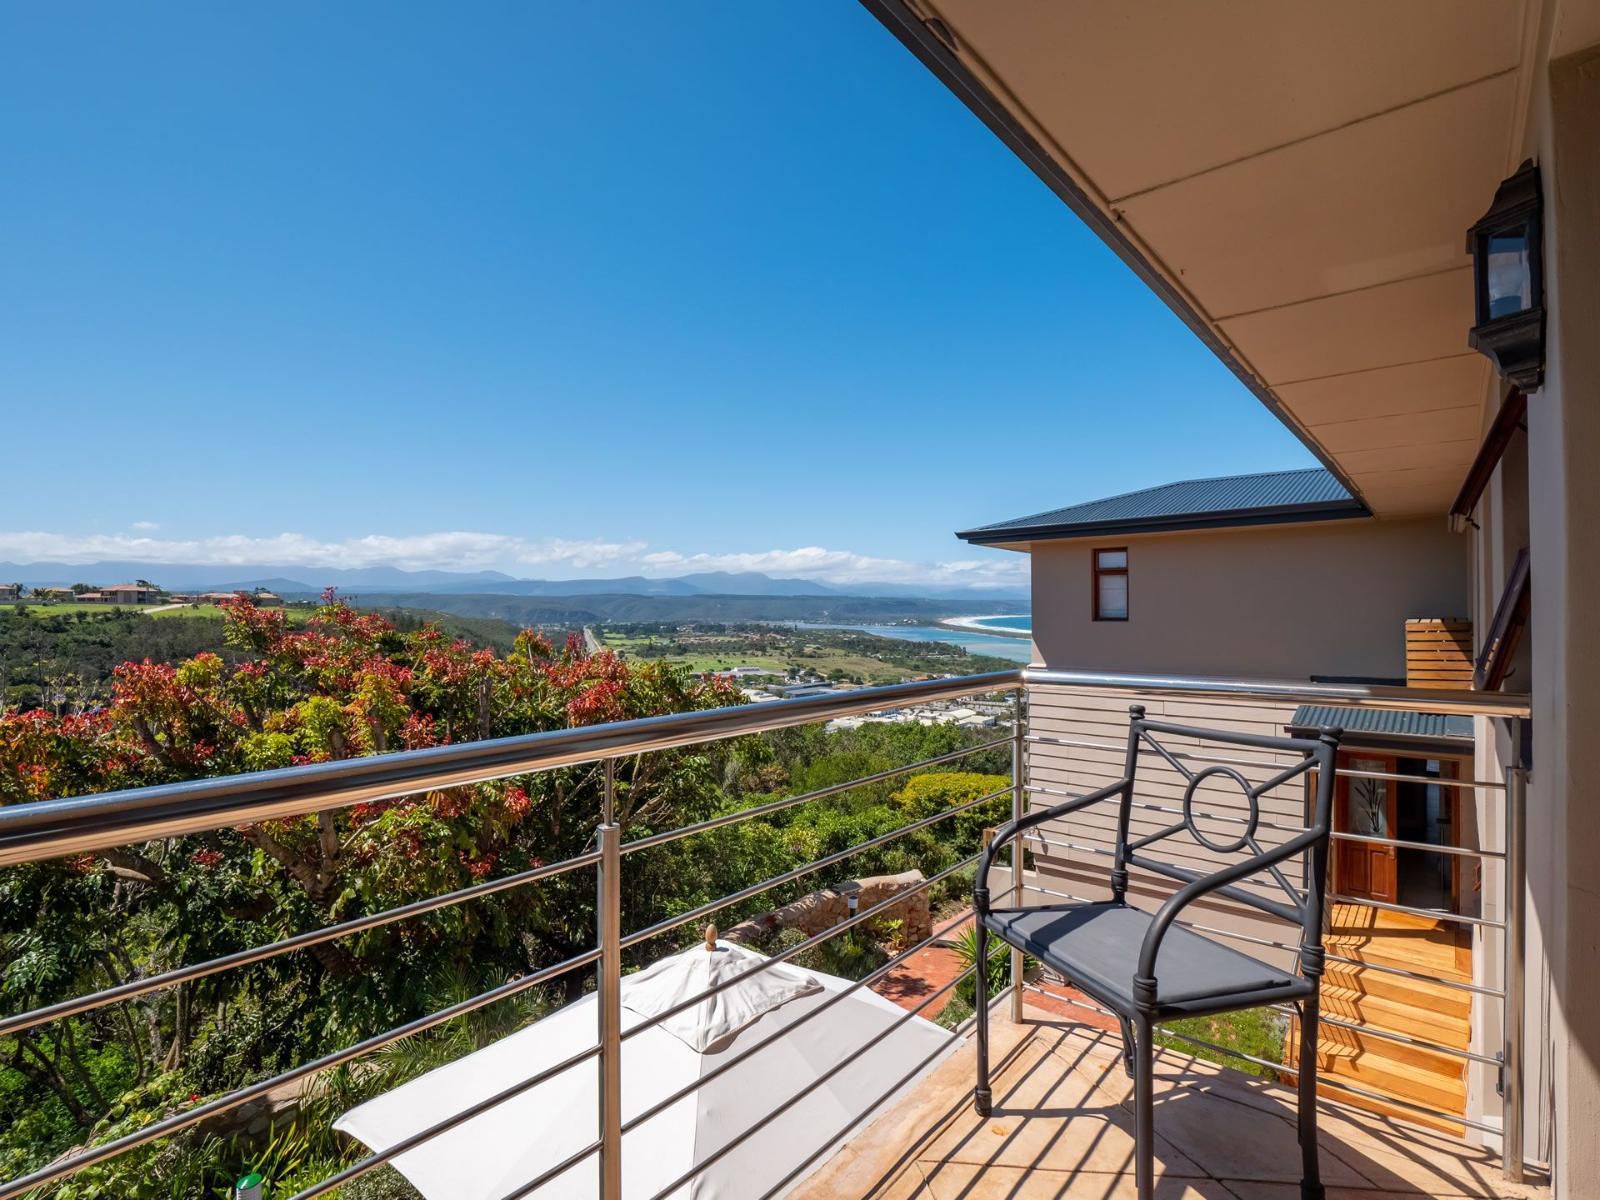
x: 1419, y: 944
x: 1423, y: 995
x: 1439, y: 1084
x: 1398, y: 1015
x: 1361, y: 992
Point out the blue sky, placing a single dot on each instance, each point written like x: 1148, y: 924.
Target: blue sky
x: 558, y: 289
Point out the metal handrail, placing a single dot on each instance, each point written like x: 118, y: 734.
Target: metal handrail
x: 83, y: 824
x: 1448, y: 702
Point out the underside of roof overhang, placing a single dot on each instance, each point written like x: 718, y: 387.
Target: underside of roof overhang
x: 1295, y: 181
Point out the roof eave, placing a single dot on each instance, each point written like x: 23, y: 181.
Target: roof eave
x: 1283, y: 514
x: 912, y: 32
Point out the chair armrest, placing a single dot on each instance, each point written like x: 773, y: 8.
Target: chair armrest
x: 980, y: 885
x: 1185, y: 895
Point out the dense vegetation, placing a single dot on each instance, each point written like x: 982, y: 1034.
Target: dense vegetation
x: 353, y: 683
x: 66, y: 660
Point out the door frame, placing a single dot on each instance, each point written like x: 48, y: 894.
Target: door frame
x: 1391, y: 810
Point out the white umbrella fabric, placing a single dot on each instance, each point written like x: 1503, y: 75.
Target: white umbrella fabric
x: 496, y: 1153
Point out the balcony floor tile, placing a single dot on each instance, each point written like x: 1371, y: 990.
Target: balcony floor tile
x: 1062, y: 1128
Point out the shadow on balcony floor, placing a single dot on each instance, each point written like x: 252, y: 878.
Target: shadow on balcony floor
x: 1062, y: 1128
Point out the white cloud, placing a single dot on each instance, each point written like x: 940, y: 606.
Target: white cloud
x: 845, y: 566
x: 462, y: 550
x: 144, y: 526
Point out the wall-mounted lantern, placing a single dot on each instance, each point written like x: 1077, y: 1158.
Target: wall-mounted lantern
x: 1507, y: 248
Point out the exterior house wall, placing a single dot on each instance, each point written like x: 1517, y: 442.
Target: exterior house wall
x: 1282, y: 602
x: 1563, y: 515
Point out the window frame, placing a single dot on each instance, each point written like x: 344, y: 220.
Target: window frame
x: 1096, y: 571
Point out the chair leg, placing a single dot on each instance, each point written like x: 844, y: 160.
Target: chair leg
x: 982, y: 1102
x: 1144, y: 1134
x: 1127, y: 1047
x: 1310, y: 1170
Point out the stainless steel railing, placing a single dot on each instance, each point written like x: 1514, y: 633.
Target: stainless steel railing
x: 102, y: 822
x: 94, y: 823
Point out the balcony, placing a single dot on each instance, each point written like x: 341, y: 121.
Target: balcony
x: 1061, y: 1127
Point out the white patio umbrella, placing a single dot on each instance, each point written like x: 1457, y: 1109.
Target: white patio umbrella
x: 494, y: 1154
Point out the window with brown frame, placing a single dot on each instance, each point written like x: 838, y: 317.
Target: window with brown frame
x: 1111, y: 584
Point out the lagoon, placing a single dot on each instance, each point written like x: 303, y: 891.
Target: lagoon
x: 1015, y: 648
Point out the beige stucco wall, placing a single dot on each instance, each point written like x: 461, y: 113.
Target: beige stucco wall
x: 1280, y: 602
x: 1563, y: 516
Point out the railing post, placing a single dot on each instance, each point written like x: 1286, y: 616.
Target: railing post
x: 1515, y: 942
x: 1019, y: 804
x: 609, y: 990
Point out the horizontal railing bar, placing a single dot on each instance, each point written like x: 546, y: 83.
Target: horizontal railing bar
x: 739, y: 1138
x: 1151, y: 807
x: 865, y: 981
x: 1268, y: 1063
x: 1446, y: 701
x: 1228, y: 933
x: 561, y: 1168
x: 1431, y: 913
x: 1386, y: 969
x: 1427, y: 847
x: 373, y: 1161
x: 763, y: 810
x: 773, y: 960
x: 1459, y: 985
x: 829, y: 860
x: 83, y: 824
x: 1390, y: 1036
x: 300, y: 941
x: 1219, y: 760
x: 801, y: 1167
x: 1408, y: 777
x: 225, y: 1103
x: 1337, y: 1084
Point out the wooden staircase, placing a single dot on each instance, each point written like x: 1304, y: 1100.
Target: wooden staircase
x: 1395, y: 1004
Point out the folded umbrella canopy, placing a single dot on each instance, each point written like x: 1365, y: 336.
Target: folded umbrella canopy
x: 855, y: 1056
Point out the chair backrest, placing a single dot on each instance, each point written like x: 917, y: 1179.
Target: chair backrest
x: 1200, y: 766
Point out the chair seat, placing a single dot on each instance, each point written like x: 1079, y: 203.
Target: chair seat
x: 1096, y: 946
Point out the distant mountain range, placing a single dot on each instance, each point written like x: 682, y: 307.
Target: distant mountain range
x: 293, y: 580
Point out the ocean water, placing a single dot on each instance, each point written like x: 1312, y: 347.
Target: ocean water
x: 1015, y: 648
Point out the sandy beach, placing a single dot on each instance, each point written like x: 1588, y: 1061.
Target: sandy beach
x: 976, y: 625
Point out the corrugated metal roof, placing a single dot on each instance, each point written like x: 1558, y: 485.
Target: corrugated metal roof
x: 1385, y: 722
x: 1270, y: 497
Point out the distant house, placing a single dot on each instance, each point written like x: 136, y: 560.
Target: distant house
x: 130, y: 593
x: 89, y: 597
x: 267, y: 600
x: 1246, y: 574
x: 51, y: 594
x: 10, y: 591
x: 217, y: 597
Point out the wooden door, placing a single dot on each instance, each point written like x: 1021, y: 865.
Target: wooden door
x: 1366, y: 807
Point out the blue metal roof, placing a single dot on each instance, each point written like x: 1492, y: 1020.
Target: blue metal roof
x: 1384, y: 722
x: 1273, y: 497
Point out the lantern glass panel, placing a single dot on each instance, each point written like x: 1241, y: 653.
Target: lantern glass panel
x: 1510, y: 274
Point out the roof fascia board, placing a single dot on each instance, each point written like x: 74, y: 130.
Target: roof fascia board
x: 1240, y: 519
x: 913, y: 33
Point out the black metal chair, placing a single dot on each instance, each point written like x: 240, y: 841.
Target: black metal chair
x: 1141, y: 966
